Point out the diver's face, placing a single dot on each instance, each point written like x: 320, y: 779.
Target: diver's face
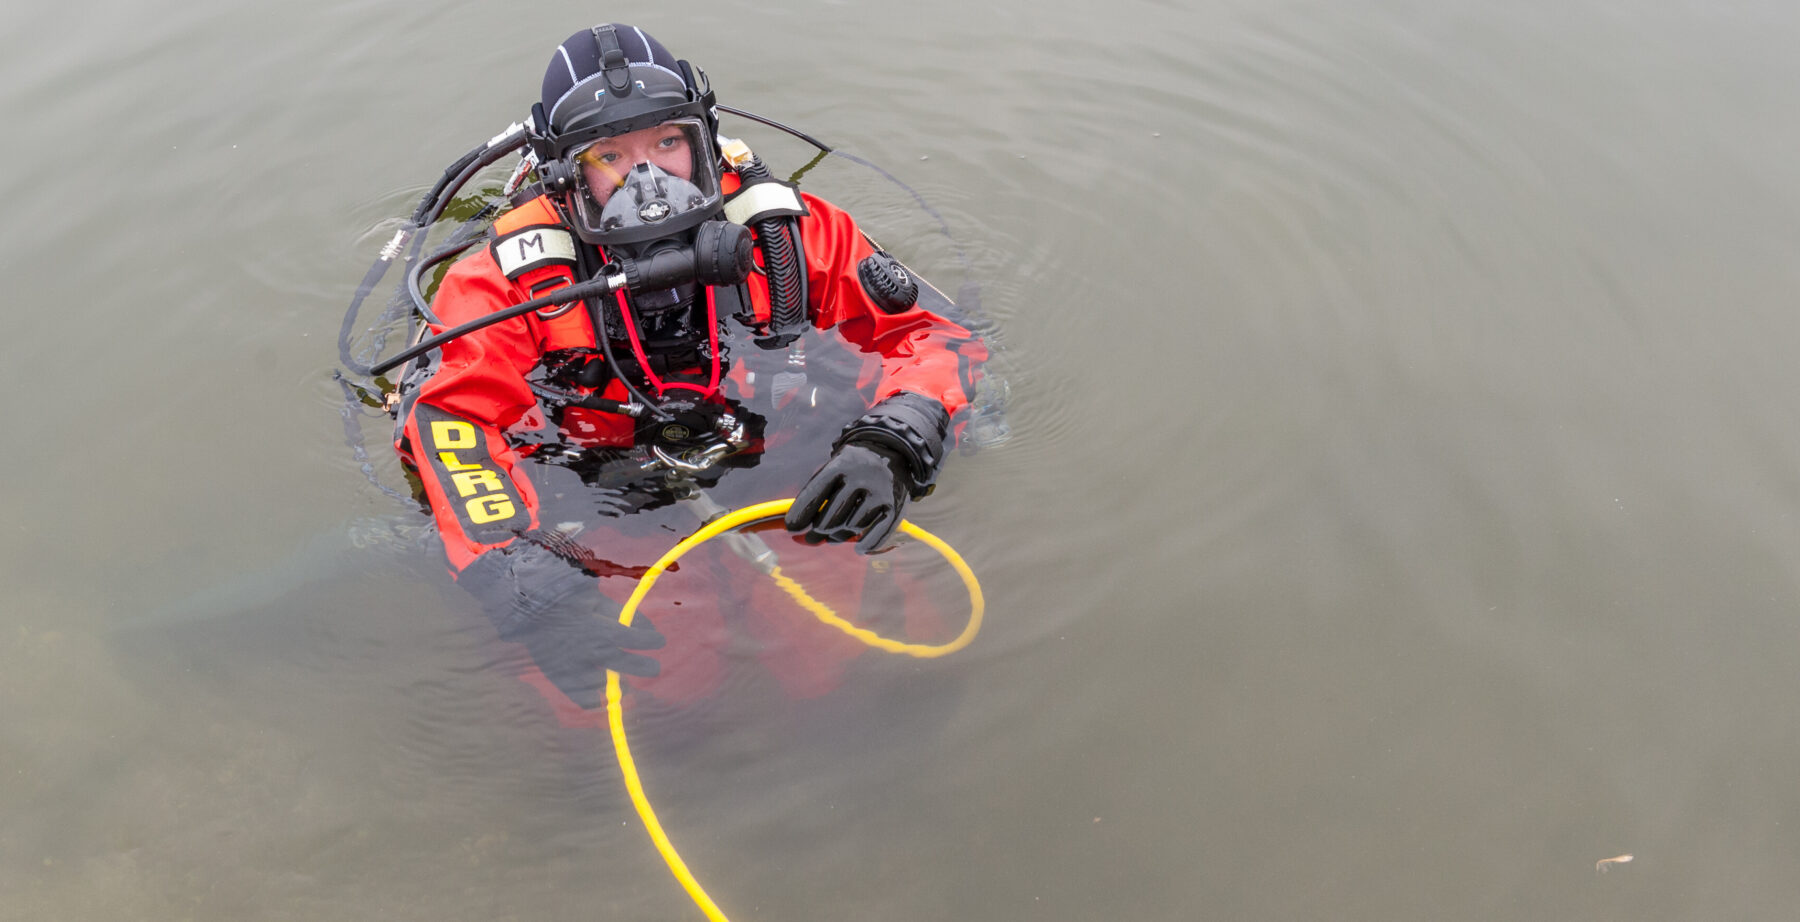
x: 605, y: 162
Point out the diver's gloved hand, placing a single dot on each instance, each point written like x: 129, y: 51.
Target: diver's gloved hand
x: 858, y: 492
x: 889, y: 455
x: 573, y: 632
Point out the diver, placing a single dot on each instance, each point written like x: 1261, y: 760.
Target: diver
x: 709, y: 291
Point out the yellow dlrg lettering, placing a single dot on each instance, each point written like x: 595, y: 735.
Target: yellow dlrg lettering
x: 468, y: 482
x: 448, y: 460
x: 452, y: 433
x: 484, y: 509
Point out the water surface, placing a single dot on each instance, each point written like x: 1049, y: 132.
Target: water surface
x: 1400, y: 515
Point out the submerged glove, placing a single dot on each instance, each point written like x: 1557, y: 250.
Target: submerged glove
x: 881, y: 460
x: 572, y: 632
x: 857, y: 492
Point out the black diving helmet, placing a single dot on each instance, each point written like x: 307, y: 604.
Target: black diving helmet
x: 628, y: 136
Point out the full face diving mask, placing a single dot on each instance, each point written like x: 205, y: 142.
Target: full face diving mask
x: 645, y: 185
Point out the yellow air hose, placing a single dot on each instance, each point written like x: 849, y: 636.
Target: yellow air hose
x: 748, y: 515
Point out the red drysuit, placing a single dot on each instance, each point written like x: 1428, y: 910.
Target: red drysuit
x: 472, y: 428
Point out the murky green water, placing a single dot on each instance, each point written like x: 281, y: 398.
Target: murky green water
x: 1400, y: 515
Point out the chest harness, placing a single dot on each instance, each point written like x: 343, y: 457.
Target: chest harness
x: 661, y: 344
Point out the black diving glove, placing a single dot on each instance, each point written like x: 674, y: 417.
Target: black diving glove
x: 890, y: 455
x: 857, y: 492
x: 571, y: 630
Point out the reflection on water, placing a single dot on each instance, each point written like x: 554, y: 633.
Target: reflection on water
x: 1396, y: 520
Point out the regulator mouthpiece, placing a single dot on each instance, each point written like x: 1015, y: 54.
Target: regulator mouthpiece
x: 648, y: 197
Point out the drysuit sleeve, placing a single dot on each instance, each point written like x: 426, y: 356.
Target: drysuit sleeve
x: 920, y: 351
x: 454, y: 427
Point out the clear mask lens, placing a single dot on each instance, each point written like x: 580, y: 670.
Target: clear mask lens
x: 631, y: 185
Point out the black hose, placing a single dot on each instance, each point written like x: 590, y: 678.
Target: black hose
x: 459, y: 174
x: 421, y: 213
x: 415, y: 288
x: 464, y: 236
x: 781, y: 263
x: 353, y: 434
x: 777, y: 126
x: 370, y: 280
x: 800, y: 258
x: 559, y: 296
x: 584, y: 259
x: 433, y: 209
x: 430, y: 208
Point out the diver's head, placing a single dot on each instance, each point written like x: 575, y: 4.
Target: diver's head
x: 627, y: 137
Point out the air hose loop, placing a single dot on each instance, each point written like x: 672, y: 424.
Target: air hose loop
x: 749, y: 515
